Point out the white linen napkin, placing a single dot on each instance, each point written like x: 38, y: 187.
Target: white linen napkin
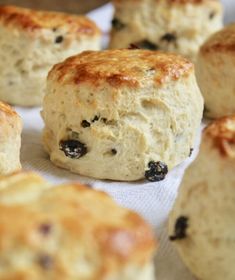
x: 152, y: 200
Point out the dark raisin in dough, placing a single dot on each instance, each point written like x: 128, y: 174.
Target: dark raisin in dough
x: 190, y: 152
x: 73, y: 148
x: 45, y: 261
x: 212, y: 15
x: 157, y: 171
x: 133, y: 47
x: 104, y: 120
x: 114, y: 151
x: 169, y: 37
x: 85, y: 124
x: 59, y: 39
x: 117, y: 24
x: 145, y: 44
x: 45, y: 229
x: 96, y: 118
x: 181, y: 226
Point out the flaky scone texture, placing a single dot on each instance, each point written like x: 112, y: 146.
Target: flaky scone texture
x: 69, y: 232
x: 202, y: 220
x: 31, y: 42
x: 179, y: 26
x: 10, y: 139
x: 109, y: 114
x: 215, y: 71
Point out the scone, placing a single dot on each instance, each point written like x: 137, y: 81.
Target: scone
x: 10, y: 139
x: 179, y: 26
x: 121, y: 114
x: 202, y: 222
x: 215, y: 72
x: 69, y: 232
x: 31, y: 42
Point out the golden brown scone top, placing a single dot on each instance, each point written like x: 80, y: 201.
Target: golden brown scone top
x: 126, y: 67
x: 33, y: 20
x: 47, y: 228
x: 221, y: 41
x: 180, y: 2
x: 7, y: 109
x: 222, y: 133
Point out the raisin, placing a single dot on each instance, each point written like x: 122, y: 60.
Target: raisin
x: 114, y: 151
x: 85, y: 124
x: 104, y: 120
x: 190, y: 152
x: 59, y: 39
x: 157, y: 171
x: 212, y: 15
x: 117, y: 24
x: 45, y: 261
x: 169, y: 37
x: 73, y: 148
x: 145, y: 44
x: 45, y: 229
x: 96, y: 118
x: 181, y: 226
x: 133, y: 47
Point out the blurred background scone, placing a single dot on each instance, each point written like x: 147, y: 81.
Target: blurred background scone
x: 121, y: 114
x: 10, y: 139
x: 215, y: 72
x: 202, y: 221
x: 69, y: 232
x: 31, y: 42
x: 170, y: 25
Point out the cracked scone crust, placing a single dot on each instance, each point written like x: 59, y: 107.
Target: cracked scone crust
x: 206, y: 200
x: 31, y: 42
x: 10, y: 140
x: 110, y: 114
x: 69, y: 232
x: 179, y: 26
x: 215, y: 73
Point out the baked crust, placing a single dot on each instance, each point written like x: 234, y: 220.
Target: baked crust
x: 221, y: 41
x: 10, y: 142
x: 32, y: 21
x: 181, y: 2
x: 222, y: 133
x: 121, y: 68
x: 7, y: 109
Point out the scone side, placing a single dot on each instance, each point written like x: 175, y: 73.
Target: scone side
x: 119, y: 246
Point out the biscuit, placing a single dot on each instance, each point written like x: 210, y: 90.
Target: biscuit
x: 179, y: 26
x: 121, y: 114
x: 215, y: 73
x: 202, y: 220
x: 10, y: 140
x: 69, y: 232
x: 31, y: 42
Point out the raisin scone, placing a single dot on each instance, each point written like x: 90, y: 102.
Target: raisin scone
x: 215, y: 72
x: 202, y: 224
x: 121, y: 114
x: 179, y: 26
x: 10, y: 139
x: 31, y: 42
x: 69, y: 232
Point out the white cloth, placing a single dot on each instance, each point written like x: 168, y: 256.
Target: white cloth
x: 152, y: 200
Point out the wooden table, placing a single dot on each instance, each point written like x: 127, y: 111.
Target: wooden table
x: 73, y: 6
